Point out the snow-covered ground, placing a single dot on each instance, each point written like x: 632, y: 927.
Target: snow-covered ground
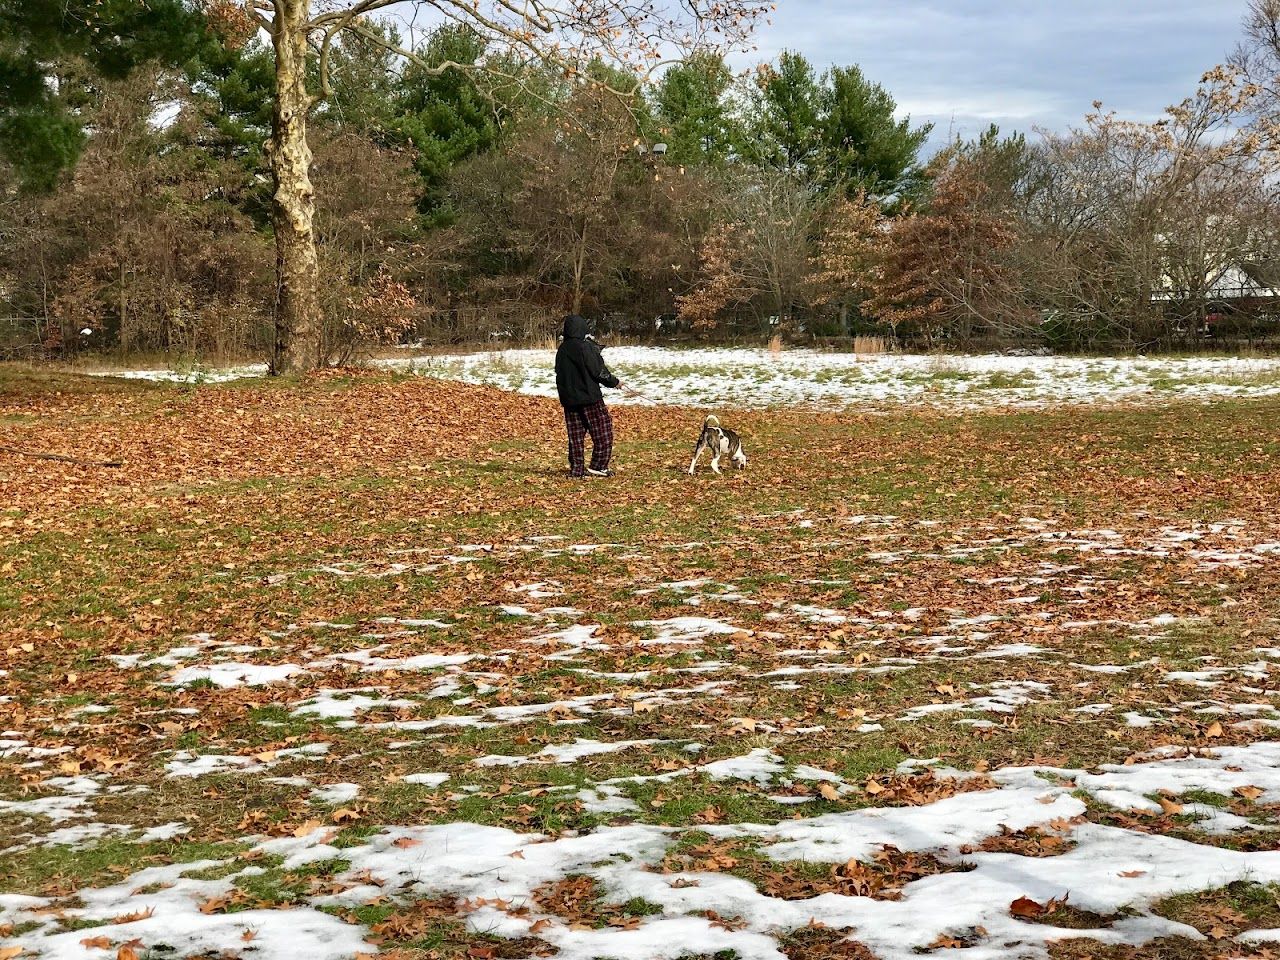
x: 496, y: 874
x: 756, y: 377
x: 374, y: 678
x: 193, y: 375
x: 743, y: 377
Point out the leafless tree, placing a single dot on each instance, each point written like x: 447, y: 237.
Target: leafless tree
x: 759, y: 253
x: 1134, y: 223
x: 564, y: 35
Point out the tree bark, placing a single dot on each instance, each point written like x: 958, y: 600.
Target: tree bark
x: 579, y: 267
x: 297, y: 312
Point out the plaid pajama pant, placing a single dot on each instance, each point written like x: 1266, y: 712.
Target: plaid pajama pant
x: 594, y: 420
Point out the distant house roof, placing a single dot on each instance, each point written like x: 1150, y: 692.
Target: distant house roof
x: 1258, y: 280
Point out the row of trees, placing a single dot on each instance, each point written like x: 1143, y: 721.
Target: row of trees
x: 42, y: 43
x: 453, y: 180
x: 481, y: 182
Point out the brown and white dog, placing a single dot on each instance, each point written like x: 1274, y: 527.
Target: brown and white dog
x: 720, y: 441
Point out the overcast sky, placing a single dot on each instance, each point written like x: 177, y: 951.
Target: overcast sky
x: 1019, y: 63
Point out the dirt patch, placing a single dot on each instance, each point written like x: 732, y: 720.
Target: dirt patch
x: 918, y: 789
x: 882, y: 879
x: 824, y: 943
x: 1032, y: 842
x: 579, y: 901
x: 1167, y: 948
x: 1228, y: 911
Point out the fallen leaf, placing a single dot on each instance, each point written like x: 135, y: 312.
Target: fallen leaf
x: 136, y: 915
x: 1026, y: 907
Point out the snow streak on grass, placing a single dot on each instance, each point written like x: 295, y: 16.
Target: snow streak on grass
x: 745, y: 378
x: 758, y: 378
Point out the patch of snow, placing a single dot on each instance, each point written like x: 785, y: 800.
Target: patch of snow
x: 427, y: 779
x: 344, y: 704
x: 757, y: 377
x: 685, y: 630
x: 164, y: 831
x: 229, y: 675
x: 335, y: 794
x: 187, y: 764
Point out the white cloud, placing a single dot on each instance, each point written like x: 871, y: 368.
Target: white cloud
x: 1019, y: 63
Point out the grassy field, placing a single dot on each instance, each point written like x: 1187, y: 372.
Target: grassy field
x: 348, y: 666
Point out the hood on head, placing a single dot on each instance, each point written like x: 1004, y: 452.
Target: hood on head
x: 575, y: 327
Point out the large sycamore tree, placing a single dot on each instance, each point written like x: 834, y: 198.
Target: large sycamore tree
x: 523, y: 37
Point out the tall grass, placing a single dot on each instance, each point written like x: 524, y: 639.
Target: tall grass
x: 868, y: 344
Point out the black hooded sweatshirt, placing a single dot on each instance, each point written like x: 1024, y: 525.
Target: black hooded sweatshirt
x: 580, y: 369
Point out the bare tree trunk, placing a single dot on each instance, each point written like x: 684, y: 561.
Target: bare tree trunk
x: 579, y: 267
x: 123, y: 307
x: 297, y: 343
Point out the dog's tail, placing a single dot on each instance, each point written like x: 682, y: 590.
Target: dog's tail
x: 711, y: 421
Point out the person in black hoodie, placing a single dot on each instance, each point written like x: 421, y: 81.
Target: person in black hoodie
x: 580, y: 373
